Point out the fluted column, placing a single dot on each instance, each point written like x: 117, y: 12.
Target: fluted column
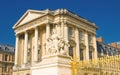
x: 16, y: 49
x: 87, y: 46
x: 95, y: 46
x: 25, y: 47
x: 66, y: 36
x: 77, y: 42
x: 36, y: 45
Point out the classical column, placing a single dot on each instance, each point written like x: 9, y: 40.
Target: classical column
x: 95, y: 46
x: 66, y: 37
x: 77, y: 42
x: 25, y: 47
x: 87, y: 46
x: 36, y: 45
x: 16, y: 49
x: 47, y: 35
x: 47, y: 30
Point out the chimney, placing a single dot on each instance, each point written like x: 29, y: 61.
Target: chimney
x: 100, y: 39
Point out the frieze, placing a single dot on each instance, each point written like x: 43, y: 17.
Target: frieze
x: 82, y: 26
x: 31, y: 24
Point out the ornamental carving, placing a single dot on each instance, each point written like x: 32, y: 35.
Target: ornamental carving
x: 72, y: 42
x: 82, y: 46
x: 91, y: 48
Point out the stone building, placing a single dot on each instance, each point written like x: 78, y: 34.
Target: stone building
x: 46, y: 41
x: 6, y: 59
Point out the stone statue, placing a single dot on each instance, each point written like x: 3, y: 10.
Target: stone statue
x: 56, y: 45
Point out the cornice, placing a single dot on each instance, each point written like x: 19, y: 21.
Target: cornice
x: 66, y: 12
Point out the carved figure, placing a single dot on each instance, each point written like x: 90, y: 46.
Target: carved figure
x: 56, y: 44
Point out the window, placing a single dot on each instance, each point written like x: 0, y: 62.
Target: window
x: 81, y: 54
x: 71, y: 51
x: 5, y: 68
x: 6, y: 57
x: 89, y: 39
x: 6, y: 48
x: 90, y: 54
x: 81, y: 36
x: 70, y: 32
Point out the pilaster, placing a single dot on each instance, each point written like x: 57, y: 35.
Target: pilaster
x: 77, y: 42
x: 66, y: 37
x: 95, y: 46
x: 62, y: 28
x: 87, y: 46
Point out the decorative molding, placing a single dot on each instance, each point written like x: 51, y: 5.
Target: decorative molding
x: 82, y: 46
x: 91, y: 48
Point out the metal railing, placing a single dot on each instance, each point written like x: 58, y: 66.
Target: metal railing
x: 109, y: 65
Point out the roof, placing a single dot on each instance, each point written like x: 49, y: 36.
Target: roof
x: 107, y: 49
x: 30, y: 15
x: 7, y: 49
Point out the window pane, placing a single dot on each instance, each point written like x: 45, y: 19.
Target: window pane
x: 90, y: 54
x: 81, y: 54
x: 81, y: 36
x: 89, y: 39
x: 71, y: 51
x: 70, y: 32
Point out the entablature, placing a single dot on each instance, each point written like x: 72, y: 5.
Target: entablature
x: 36, y: 22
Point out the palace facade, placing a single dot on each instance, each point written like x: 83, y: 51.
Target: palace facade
x: 104, y: 50
x: 6, y: 59
x: 47, y: 41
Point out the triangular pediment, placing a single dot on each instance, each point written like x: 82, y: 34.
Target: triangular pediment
x: 28, y: 16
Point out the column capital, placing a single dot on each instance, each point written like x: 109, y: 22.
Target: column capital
x: 17, y: 34
x: 35, y: 27
x: 48, y: 22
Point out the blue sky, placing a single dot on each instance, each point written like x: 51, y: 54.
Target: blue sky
x: 104, y: 13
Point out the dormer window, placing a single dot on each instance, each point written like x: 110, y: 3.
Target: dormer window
x: 6, y: 48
